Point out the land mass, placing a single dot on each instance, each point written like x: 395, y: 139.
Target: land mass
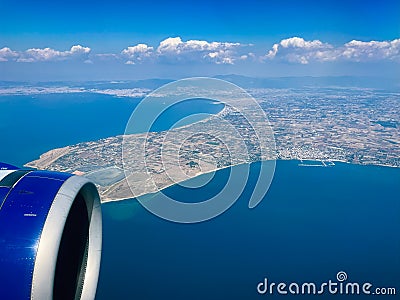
x: 352, y: 125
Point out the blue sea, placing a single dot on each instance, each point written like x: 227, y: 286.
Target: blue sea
x: 313, y: 223
x: 31, y: 125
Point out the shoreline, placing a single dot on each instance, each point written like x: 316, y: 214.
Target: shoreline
x: 216, y: 170
x: 169, y: 185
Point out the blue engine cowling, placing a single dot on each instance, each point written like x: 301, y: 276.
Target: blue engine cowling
x: 50, y: 235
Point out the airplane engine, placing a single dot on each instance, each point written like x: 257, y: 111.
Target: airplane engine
x: 50, y: 235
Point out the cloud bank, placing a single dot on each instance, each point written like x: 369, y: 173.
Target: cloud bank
x: 298, y: 50
x: 7, y: 54
x: 174, y: 50
x: 45, y: 54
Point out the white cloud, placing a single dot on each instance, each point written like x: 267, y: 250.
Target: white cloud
x: 296, y: 42
x: 49, y: 54
x: 177, y: 46
x: 137, y: 53
x: 7, y: 54
x: 173, y: 49
x: 298, y: 50
x: 170, y: 45
x: 373, y: 50
x: 221, y: 57
x: 139, y: 48
x: 273, y: 52
x: 78, y: 49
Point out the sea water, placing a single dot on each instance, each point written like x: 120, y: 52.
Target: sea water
x: 313, y: 223
x: 33, y: 124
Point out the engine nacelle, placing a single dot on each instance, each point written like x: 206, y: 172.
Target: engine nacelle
x: 50, y: 235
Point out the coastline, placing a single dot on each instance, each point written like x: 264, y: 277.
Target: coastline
x: 216, y: 170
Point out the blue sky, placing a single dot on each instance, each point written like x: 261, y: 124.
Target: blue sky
x: 50, y: 40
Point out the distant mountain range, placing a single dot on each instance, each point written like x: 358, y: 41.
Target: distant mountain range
x: 242, y: 81
x: 309, y: 81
